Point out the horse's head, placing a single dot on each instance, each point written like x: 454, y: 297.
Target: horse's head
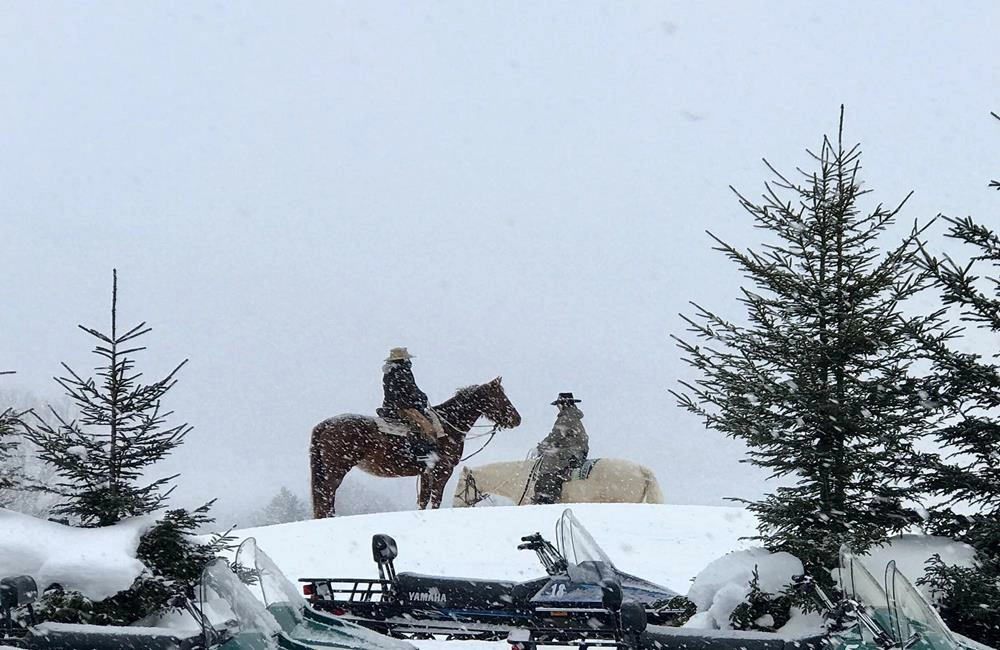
x: 496, y: 406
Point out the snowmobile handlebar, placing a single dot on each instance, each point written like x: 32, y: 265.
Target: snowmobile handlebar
x: 531, y: 542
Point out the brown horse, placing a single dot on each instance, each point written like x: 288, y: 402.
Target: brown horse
x: 346, y: 441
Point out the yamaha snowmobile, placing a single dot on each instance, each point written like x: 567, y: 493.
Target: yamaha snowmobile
x: 869, y: 617
x: 569, y: 597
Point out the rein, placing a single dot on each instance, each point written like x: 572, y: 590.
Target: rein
x: 491, y: 433
x: 496, y: 427
x: 531, y: 475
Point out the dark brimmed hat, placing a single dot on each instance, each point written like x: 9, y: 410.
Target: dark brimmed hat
x: 565, y: 398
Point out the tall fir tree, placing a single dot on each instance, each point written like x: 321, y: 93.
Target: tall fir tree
x: 968, y: 472
x: 102, y: 457
x: 818, y: 382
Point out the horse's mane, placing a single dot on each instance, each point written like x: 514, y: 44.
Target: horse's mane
x: 466, y: 391
x: 461, y: 395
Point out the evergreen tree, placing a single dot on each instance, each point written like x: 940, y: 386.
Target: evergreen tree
x: 122, y: 430
x: 818, y: 383
x: 969, y: 472
x: 30, y: 474
x: 284, y: 507
x: 101, y: 459
x: 8, y: 443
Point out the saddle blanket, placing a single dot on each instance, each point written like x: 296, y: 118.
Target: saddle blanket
x: 582, y: 472
x: 402, y: 429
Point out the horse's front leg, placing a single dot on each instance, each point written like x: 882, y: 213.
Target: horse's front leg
x: 440, y: 481
x: 424, y: 490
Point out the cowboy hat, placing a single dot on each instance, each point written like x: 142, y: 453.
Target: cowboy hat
x: 399, y: 354
x: 565, y: 398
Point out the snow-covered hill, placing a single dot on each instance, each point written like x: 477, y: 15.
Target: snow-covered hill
x: 668, y: 544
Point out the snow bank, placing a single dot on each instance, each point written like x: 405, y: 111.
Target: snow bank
x: 911, y: 553
x: 725, y: 583
x: 667, y: 544
x: 98, y: 562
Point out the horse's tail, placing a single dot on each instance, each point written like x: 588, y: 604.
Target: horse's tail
x: 316, y: 473
x: 651, y: 487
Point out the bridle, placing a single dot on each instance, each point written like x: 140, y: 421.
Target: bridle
x: 491, y: 433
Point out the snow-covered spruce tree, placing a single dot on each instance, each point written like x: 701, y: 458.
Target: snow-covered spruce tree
x: 101, y: 459
x: 968, y: 474
x: 818, y: 383
x: 284, y: 507
x: 102, y: 456
x: 8, y: 472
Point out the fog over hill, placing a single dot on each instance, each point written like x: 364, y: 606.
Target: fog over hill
x: 522, y: 190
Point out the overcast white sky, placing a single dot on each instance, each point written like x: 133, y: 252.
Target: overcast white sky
x: 290, y: 189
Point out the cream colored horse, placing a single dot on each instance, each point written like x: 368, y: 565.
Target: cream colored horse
x: 612, y: 480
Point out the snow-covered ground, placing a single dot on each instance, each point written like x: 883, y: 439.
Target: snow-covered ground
x: 668, y: 544
x: 98, y: 562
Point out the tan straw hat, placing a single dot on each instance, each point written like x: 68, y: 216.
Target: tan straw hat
x: 399, y: 354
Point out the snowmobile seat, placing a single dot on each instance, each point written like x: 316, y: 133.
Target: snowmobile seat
x: 68, y: 636
x: 522, y: 592
x: 454, y: 592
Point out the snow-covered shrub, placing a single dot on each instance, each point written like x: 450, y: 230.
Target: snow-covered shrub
x: 966, y: 590
x: 967, y: 598
x: 172, y: 562
x: 761, y: 610
x: 728, y: 583
x: 686, y: 607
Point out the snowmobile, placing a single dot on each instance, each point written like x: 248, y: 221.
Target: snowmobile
x: 563, y: 602
x: 869, y: 617
x: 223, y: 615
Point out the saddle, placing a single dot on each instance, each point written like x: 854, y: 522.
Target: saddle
x: 582, y: 472
x: 410, y: 442
x: 575, y: 473
x: 393, y: 426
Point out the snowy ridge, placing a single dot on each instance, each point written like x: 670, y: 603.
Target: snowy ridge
x: 667, y: 544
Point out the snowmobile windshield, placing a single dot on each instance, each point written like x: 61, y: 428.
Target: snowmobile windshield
x: 910, y: 614
x: 224, y: 601
x: 588, y: 563
x: 858, y: 583
x: 266, y: 578
x: 575, y: 542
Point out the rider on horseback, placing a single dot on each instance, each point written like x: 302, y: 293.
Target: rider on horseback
x: 563, y: 450
x: 405, y: 402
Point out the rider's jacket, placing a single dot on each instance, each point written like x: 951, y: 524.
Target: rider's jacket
x: 400, y: 388
x: 568, y: 435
